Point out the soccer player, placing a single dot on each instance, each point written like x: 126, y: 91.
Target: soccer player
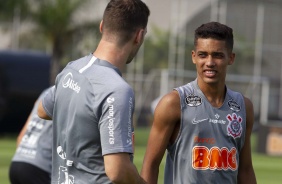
x: 204, y: 126
x: 32, y: 160
x: 92, y: 105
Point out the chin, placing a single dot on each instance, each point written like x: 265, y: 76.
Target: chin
x: 210, y: 80
x: 128, y: 61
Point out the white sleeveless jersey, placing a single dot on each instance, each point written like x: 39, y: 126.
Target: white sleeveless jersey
x: 209, y: 141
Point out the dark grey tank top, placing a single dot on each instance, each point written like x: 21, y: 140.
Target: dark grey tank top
x: 209, y: 141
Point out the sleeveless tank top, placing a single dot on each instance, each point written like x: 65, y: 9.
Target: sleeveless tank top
x: 209, y: 141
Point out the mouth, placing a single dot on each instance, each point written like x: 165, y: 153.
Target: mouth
x: 210, y: 73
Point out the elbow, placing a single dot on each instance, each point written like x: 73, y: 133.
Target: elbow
x: 115, y: 175
x: 120, y: 170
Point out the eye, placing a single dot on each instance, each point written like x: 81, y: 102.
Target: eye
x: 218, y: 55
x: 202, y: 55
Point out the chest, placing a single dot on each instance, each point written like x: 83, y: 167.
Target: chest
x: 207, y: 125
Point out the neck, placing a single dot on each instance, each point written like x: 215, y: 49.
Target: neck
x: 215, y: 94
x: 110, y: 52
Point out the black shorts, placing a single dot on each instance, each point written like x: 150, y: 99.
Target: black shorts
x: 24, y: 173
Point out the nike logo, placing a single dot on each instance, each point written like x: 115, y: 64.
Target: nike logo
x: 194, y: 121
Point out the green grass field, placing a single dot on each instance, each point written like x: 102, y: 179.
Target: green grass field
x: 268, y: 169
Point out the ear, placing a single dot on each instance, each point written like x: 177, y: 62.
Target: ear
x: 193, y: 54
x: 140, y: 34
x: 231, y: 59
x: 101, y: 26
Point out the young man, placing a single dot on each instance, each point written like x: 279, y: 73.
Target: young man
x: 32, y: 160
x: 92, y: 105
x: 204, y: 125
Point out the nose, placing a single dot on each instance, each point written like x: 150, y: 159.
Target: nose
x: 210, y: 62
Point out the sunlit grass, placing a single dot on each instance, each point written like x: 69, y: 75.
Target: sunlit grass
x: 268, y: 169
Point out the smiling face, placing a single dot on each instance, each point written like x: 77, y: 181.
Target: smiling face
x: 211, y: 58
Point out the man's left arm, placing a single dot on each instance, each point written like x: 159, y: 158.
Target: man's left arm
x: 246, y: 174
x: 42, y: 113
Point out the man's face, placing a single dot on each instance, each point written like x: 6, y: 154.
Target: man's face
x: 211, y: 58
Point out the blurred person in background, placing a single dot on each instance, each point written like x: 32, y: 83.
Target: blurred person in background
x: 92, y: 105
x: 204, y: 126
x: 31, y: 163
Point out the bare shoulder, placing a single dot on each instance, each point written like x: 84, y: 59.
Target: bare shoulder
x: 168, y: 110
x: 170, y: 101
x: 248, y: 102
x: 171, y: 97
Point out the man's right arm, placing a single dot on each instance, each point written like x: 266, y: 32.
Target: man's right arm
x: 121, y: 170
x: 163, y: 133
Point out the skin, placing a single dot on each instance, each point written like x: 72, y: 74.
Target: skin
x: 118, y: 167
x: 23, y: 130
x: 211, y: 58
x: 116, y: 54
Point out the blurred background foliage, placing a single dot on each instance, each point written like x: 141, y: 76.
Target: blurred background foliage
x: 53, y: 29
x: 56, y: 28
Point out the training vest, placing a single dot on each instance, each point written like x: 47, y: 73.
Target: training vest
x: 210, y: 139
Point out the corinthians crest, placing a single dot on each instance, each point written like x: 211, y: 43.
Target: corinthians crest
x: 234, y: 127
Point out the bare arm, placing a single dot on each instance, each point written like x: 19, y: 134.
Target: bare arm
x: 246, y: 174
x: 23, y: 130
x: 166, y: 117
x: 121, y: 170
x: 41, y: 112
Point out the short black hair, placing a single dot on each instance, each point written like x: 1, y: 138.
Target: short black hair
x: 215, y: 30
x: 124, y: 17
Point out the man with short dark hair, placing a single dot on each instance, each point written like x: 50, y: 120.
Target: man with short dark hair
x: 204, y: 126
x: 92, y: 105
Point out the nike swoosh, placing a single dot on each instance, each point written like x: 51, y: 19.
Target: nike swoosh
x: 194, y: 121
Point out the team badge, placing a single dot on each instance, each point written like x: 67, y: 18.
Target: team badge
x: 234, y: 105
x: 193, y: 100
x: 234, y: 127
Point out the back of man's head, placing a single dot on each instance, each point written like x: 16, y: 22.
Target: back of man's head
x: 123, y: 17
